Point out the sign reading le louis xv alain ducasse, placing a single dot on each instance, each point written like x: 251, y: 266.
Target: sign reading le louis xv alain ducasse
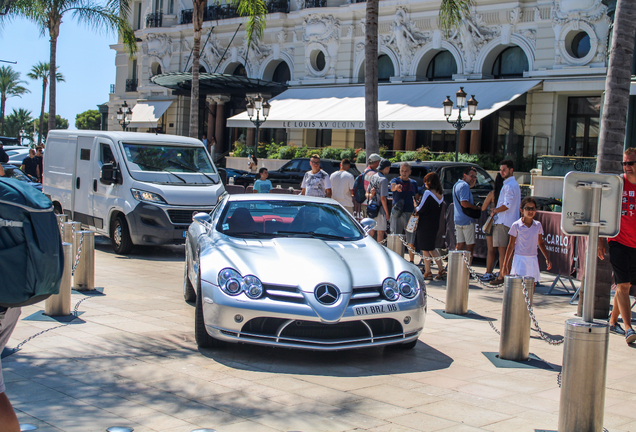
x: 334, y: 125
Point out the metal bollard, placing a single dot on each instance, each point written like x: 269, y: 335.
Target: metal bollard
x: 60, y: 304
x: 394, y: 243
x: 69, y: 229
x: 84, y: 276
x: 61, y: 219
x: 584, y: 376
x: 457, y: 283
x: 514, y: 343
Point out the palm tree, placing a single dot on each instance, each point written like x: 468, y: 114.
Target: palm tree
x: 42, y: 71
x: 10, y: 86
x: 371, y: 134
x: 48, y: 14
x: 255, y: 10
x: 19, y: 120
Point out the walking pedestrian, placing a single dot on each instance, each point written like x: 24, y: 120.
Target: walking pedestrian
x: 39, y: 157
x: 506, y: 212
x: 429, y: 211
x: 622, y: 251
x: 342, y: 185
x: 263, y: 185
x: 404, y: 189
x: 30, y: 164
x: 463, y: 199
x: 526, y: 234
x: 316, y: 181
x: 378, y: 193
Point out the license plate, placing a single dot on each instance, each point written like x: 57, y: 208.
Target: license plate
x: 375, y: 309
x: 184, y: 234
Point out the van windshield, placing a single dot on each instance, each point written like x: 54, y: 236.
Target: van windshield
x: 167, y: 158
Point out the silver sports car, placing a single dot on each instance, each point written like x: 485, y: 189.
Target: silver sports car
x: 299, y: 272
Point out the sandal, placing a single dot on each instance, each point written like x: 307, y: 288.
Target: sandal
x: 441, y: 275
x: 428, y: 276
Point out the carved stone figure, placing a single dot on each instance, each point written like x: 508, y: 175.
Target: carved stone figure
x: 404, y: 39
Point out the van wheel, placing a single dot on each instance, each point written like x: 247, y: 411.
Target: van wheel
x: 57, y: 208
x: 201, y: 336
x: 122, y: 244
x: 188, y: 290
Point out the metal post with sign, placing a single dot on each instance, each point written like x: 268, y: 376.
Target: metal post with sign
x: 591, y: 207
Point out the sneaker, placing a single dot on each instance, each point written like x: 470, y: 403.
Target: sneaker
x: 496, y: 281
x: 487, y: 277
x: 617, y: 329
x: 630, y: 336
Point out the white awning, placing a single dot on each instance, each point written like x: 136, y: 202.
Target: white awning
x: 414, y: 106
x: 147, y: 114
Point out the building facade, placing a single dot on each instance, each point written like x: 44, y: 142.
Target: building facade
x: 536, y: 67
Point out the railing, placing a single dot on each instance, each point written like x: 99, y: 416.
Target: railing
x: 186, y: 16
x: 112, y: 88
x: 274, y: 6
x: 561, y: 165
x: 210, y: 13
x: 315, y: 3
x: 154, y: 19
x: 131, y: 84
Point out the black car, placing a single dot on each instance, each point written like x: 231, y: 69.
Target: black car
x: 449, y: 173
x: 241, y: 177
x: 11, y: 171
x: 291, y: 174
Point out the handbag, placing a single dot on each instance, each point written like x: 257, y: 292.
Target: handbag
x: 372, y: 210
x: 471, y: 213
x: 487, y: 228
x: 411, y: 226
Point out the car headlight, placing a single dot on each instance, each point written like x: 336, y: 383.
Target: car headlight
x: 141, y: 195
x: 230, y: 281
x: 407, y: 285
x: 252, y: 286
x: 390, y: 289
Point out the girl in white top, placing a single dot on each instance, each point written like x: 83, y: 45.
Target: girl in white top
x: 526, y: 234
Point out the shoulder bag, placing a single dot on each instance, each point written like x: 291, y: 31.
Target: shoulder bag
x: 471, y: 213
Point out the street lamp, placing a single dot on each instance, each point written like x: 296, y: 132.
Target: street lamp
x: 257, y: 104
x: 459, y: 124
x: 124, y: 115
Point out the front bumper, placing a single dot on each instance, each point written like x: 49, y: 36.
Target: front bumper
x: 294, y: 324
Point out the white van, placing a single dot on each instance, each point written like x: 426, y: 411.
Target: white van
x: 136, y: 188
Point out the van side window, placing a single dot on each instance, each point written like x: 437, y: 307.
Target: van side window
x: 105, y: 154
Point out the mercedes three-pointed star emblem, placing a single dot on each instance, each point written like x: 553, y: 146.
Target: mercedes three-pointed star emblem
x: 327, y: 294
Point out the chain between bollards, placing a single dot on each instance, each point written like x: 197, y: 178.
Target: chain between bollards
x: 475, y: 276
x: 534, y: 318
x: 403, y: 240
x: 79, y: 253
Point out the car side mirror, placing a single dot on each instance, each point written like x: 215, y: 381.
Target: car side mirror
x: 202, y: 219
x: 368, y: 224
x: 110, y: 174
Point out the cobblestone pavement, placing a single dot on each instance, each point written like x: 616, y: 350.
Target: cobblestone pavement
x: 130, y: 360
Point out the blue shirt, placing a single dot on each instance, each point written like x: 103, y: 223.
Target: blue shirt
x: 461, y: 190
x: 262, y: 186
x: 409, y: 189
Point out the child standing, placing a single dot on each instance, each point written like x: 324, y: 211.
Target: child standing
x: 525, y: 235
x: 263, y: 185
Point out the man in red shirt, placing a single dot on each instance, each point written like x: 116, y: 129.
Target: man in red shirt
x: 622, y: 251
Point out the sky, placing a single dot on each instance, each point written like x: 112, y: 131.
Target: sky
x: 83, y: 57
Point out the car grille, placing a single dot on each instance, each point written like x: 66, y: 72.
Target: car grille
x: 283, y: 293
x: 365, y: 295
x: 309, y: 333
x: 183, y: 217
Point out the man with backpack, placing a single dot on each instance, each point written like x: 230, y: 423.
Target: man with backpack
x: 361, y: 184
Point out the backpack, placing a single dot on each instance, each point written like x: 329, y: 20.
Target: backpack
x: 359, y: 193
x: 31, y: 256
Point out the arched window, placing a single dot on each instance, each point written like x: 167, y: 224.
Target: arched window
x: 511, y: 63
x: 240, y: 71
x: 281, y: 73
x: 156, y: 68
x: 385, y: 68
x: 201, y: 70
x: 442, y: 67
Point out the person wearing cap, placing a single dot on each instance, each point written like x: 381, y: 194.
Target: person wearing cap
x: 378, y: 192
x: 359, y: 209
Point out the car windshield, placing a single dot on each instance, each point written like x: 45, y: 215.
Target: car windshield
x: 167, y: 158
x: 270, y: 219
x: 13, y: 172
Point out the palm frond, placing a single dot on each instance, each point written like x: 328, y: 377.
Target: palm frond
x: 452, y: 12
x: 256, y: 13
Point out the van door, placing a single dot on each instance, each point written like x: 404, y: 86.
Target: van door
x: 104, y: 196
x: 82, y: 192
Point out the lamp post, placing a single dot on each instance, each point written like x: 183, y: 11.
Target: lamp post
x: 459, y: 124
x: 124, y: 115
x: 257, y: 104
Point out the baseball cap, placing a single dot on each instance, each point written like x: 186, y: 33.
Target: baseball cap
x: 384, y: 163
x: 374, y: 157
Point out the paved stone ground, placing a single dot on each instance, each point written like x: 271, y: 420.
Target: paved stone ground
x: 131, y: 360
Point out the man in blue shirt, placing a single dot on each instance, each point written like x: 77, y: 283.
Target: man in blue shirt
x: 404, y: 189
x: 263, y: 185
x: 464, y: 225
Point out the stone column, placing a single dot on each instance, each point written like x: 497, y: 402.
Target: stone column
x: 464, y: 137
x: 411, y: 143
x: 249, y: 138
x: 219, y: 128
x: 211, y: 125
x: 475, y: 142
x: 398, y: 140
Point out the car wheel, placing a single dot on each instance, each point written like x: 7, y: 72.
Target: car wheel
x: 188, y: 290
x: 122, y: 244
x: 201, y: 336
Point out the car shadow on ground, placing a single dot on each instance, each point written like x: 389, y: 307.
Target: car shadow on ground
x: 145, y: 253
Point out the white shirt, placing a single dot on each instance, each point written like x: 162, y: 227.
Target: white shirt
x: 510, y: 197
x: 341, y: 185
x: 316, y: 184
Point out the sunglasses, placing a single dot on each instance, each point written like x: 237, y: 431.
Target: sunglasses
x: 530, y: 208
x: 630, y: 163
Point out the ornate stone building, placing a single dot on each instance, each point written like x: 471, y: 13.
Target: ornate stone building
x: 537, y: 69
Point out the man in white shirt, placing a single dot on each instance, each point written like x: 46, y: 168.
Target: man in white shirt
x: 506, y: 213
x: 316, y: 182
x: 342, y: 185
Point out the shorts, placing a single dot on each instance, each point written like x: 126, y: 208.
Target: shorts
x: 398, y: 226
x: 527, y: 266
x: 465, y: 234
x: 623, y: 260
x: 7, y: 324
x: 500, y: 236
x: 380, y: 220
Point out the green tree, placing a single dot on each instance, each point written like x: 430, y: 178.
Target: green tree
x: 42, y: 71
x: 60, y: 123
x: 17, y: 120
x: 88, y: 120
x: 48, y: 14
x: 10, y: 86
